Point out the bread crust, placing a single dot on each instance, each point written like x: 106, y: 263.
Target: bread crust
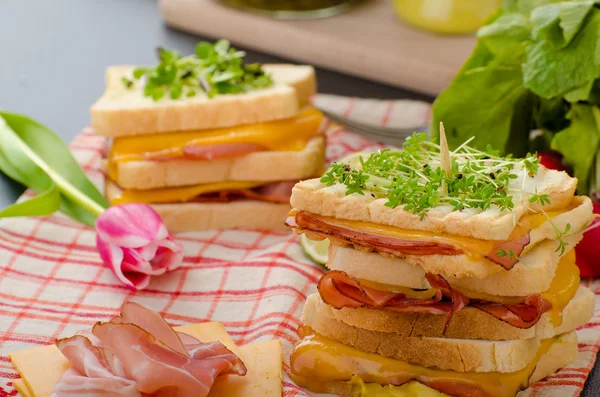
x: 468, y: 323
x: 265, y: 166
x: 492, y: 224
x: 122, y: 111
x: 242, y: 214
x: 301, y: 77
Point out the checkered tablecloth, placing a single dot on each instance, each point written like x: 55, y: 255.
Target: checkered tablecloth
x: 53, y: 284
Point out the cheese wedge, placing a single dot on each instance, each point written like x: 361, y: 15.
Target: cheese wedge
x: 41, y: 367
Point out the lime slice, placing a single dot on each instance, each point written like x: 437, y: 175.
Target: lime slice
x: 316, y: 250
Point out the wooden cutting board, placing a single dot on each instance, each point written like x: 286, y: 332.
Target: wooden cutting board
x: 368, y: 42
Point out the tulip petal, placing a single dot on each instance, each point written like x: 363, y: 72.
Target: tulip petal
x: 135, y: 244
x: 131, y: 225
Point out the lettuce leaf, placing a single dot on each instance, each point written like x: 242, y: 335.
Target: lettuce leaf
x: 578, y: 143
x: 549, y: 72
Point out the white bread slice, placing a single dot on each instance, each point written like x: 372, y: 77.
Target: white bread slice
x: 259, y: 166
x: 316, y: 197
x: 242, y: 214
x: 122, y: 111
x: 533, y: 274
x: 301, y: 77
x: 462, y: 355
x: 562, y: 352
x: 468, y: 323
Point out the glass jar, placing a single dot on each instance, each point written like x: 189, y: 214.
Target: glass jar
x: 294, y: 9
x: 446, y: 16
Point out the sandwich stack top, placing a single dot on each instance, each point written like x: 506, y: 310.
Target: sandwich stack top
x: 209, y: 141
x: 450, y: 273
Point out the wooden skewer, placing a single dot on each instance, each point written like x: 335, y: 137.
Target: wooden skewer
x: 445, y: 163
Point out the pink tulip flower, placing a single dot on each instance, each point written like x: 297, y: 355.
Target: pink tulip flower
x: 134, y: 242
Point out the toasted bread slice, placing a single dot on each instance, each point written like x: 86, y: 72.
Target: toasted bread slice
x: 468, y: 323
x: 125, y: 111
x: 532, y: 275
x: 301, y: 77
x: 562, y: 352
x: 318, y: 198
x: 259, y: 166
x: 237, y: 214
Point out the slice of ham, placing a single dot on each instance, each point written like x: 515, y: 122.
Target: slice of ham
x: 218, y: 151
x: 138, y: 354
x: 515, y: 246
x: 339, y: 290
x: 401, y: 247
x: 277, y: 192
x: 523, y: 315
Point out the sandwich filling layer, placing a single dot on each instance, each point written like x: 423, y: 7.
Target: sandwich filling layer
x: 341, y: 290
x: 221, y: 192
x: 403, y: 242
x: 316, y: 360
x: 290, y: 134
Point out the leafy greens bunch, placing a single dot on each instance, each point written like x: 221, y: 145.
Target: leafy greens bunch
x: 536, y: 66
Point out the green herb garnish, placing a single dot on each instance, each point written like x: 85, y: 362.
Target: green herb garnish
x: 511, y: 254
x: 412, y: 179
x: 215, y: 69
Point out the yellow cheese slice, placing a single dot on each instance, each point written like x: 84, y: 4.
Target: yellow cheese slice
x: 178, y: 194
x: 41, y: 367
x: 264, y: 377
x: 21, y: 387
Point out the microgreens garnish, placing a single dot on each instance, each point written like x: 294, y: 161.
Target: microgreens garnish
x: 214, y: 69
x: 511, y: 254
x: 412, y: 178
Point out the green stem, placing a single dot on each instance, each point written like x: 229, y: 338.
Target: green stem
x: 65, y: 187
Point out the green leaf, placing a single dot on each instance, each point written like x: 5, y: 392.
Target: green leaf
x: 558, y: 23
x: 204, y: 50
x: 549, y: 72
x: 579, y: 142
x: 36, y: 157
x: 482, y: 103
x: 581, y: 93
x: 18, y: 167
x: 506, y: 38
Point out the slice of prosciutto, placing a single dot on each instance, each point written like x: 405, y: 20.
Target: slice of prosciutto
x: 223, y: 150
x: 338, y: 289
x: 137, y: 354
x: 395, y: 246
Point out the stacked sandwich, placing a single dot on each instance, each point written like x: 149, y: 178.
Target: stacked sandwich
x: 210, y: 142
x: 451, y: 273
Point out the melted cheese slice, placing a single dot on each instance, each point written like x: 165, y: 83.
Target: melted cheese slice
x: 41, y: 367
x: 178, y: 194
x: 317, y: 360
x: 472, y: 247
x: 282, y: 135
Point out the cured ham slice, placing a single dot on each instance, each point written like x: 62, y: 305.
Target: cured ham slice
x: 138, y: 354
x: 338, y: 289
x: 217, y: 151
x: 504, y: 253
x: 523, y: 315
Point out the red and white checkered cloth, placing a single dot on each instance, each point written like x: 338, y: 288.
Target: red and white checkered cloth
x: 53, y: 284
